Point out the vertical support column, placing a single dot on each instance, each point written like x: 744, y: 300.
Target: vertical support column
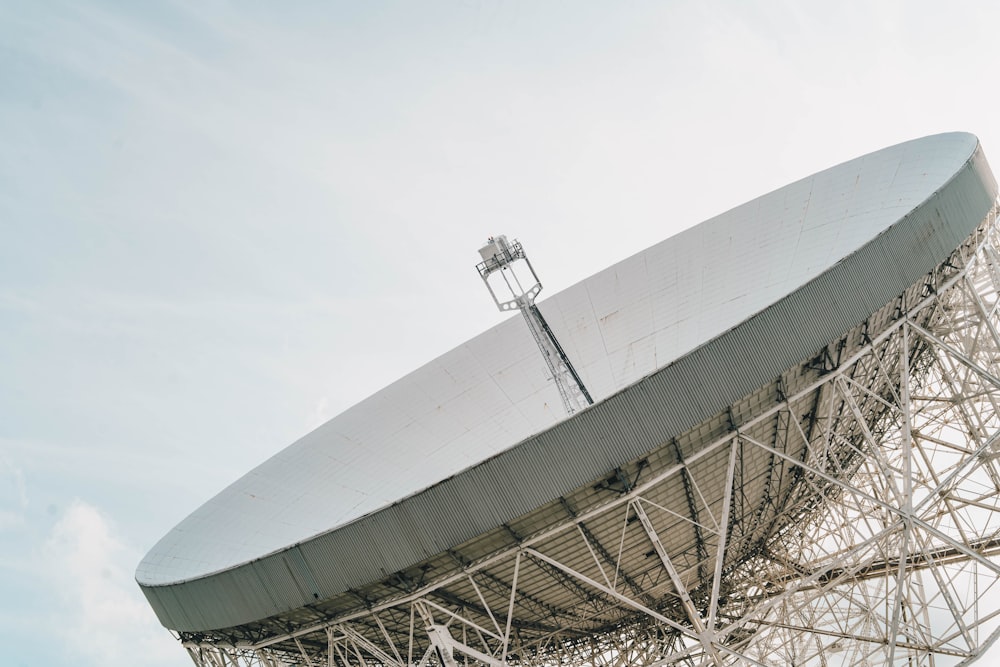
x: 907, y: 491
x: 720, y: 555
x: 510, y: 607
x: 704, y: 637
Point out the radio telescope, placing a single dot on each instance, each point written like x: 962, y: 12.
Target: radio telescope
x: 772, y: 439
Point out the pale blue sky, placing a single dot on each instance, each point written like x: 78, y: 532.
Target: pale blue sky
x: 222, y: 223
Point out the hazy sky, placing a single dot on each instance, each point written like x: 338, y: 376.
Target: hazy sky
x: 225, y: 222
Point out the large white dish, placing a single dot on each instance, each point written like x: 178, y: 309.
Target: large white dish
x: 481, y: 428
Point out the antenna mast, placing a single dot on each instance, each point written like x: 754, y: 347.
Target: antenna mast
x: 507, y: 259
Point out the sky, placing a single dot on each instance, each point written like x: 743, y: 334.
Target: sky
x: 223, y: 223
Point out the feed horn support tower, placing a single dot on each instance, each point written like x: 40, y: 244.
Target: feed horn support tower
x: 500, y: 258
x: 792, y: 458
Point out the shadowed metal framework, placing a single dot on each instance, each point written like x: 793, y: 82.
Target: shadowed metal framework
x: 846, y: 513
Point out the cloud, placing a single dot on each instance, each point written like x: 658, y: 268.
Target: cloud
x: 101, y: 614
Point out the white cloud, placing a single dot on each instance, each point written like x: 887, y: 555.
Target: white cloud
x: 101, y: 614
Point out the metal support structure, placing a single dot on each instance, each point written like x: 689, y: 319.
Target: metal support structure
x: 847, y: 515
x: 509, y: 261
x: 681, y: 589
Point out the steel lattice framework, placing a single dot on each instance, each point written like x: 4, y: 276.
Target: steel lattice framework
x: 856, y: 521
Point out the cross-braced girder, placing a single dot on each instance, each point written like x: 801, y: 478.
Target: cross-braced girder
x: 847, y: 514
